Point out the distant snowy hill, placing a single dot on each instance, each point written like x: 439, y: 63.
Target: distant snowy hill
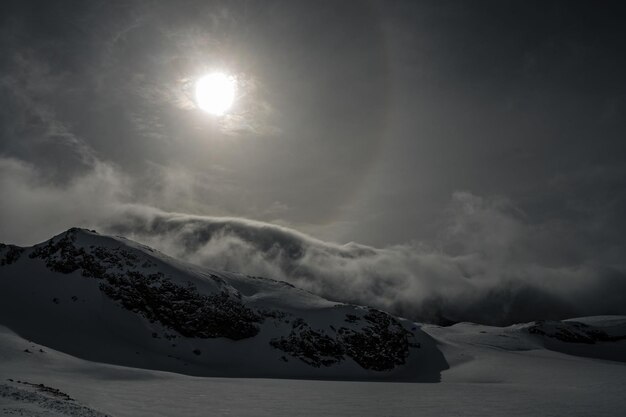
x: 111, y: 300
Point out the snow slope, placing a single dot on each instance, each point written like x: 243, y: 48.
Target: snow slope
x: 532, y: 353
x: 491, y: 374
x: 108, y: 299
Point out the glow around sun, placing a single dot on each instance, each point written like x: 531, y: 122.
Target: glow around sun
x: 215, y: 93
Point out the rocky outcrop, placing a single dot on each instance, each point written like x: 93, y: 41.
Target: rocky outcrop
x: 313, y: 347
x: 571, y: 332
x: 379, y: 342
x: 178, y: 307
x: 380, y: 345
x: 9, y: 254
x: 182, y: 308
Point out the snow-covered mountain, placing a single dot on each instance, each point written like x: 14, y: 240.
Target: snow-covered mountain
x: 111, y: 300
x: 75, y: 308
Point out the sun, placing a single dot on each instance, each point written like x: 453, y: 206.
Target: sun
x: 215, y: 93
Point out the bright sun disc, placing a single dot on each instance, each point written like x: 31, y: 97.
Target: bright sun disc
x: 215, y: 93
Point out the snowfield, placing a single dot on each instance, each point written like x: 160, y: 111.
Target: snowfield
x: 486, y: 378
x: 93, y: 325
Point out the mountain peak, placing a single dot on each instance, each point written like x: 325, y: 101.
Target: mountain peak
x: 82, y: 291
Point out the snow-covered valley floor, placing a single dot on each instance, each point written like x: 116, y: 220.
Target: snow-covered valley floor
x: 490, y: 375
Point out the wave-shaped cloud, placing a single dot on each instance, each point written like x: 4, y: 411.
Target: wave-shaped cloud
x: 494, y: 277
x: 490, y: 265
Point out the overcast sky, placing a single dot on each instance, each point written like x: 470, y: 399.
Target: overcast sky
x: 469, y: 127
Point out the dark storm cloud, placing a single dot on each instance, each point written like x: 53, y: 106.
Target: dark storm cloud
x: 355, y: 122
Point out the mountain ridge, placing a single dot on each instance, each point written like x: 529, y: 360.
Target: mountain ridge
x: 112, y: 300
x: 166, y: 314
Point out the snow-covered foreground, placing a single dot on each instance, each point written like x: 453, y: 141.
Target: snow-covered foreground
x: 488, y: 375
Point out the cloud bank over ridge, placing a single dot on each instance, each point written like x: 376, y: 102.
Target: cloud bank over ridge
x: 491, y: 283
x: 489, y: 265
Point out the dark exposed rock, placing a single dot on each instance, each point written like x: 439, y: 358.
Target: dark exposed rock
x: 183, y: 308
x: 380, y: 345
x: 274, y: 314
x: 571, y: 332
x: 62, y: 255
x: 178, y: 307
x: 282, y: 283
x: 310, y: 346
x: 351, y: 318
x: 9, y: 254
x: 48, y: 390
